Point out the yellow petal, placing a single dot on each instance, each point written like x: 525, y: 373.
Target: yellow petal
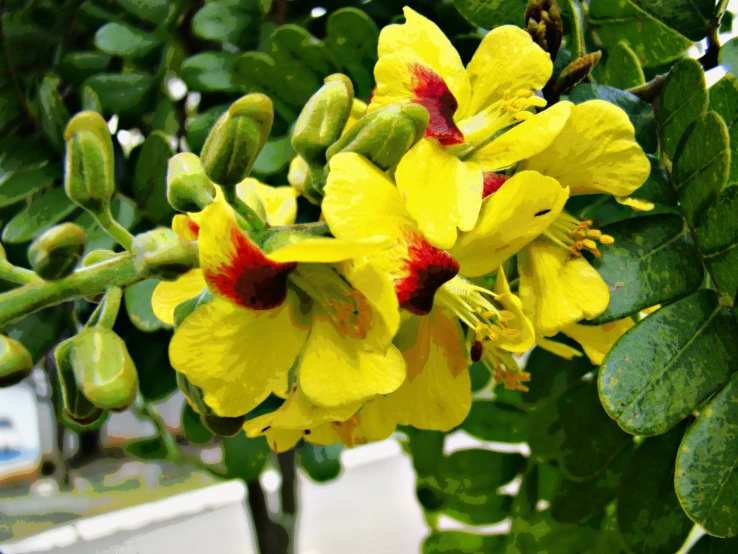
x: 558, y: 289
x: 185, y: 227
x: 638, y: 204
x: 423, y: 37
x: 441, y: 192
x: 558, y: 348
x: 513, y: 216
x: 297, y: 173
x: 236, y: 356
x: 170, y: 294
x: 234, y: 266
x: 282, y: 440
x: 361, y: 201
x: 596, y: 152
x: 506, y: 62
x: 526, y: 337
x: 375, y: 423
x: 596, y: 340
x: 358, y: 109
x: 337, y: 370
x: 437, y: 391
x: 275, y: 205
x: 330, y: 250
x: 525, y: 140
x: 378, y: 289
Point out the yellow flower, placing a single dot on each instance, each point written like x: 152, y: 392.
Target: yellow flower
x: 444, y: 176
x: 434, y: 286
x: 301, y: 305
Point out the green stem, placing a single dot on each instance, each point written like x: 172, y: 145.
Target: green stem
x: 316, y: 229
x: 15, y: 274
x: 114, y: 229
x: 107, y: 310
x: 116, y: 272
x: 243, y: 209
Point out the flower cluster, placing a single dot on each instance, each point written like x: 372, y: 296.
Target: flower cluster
x: 344, y: 329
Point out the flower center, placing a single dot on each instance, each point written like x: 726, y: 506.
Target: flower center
x: 481, y: 128
x: 574, y: 235
x: 475, y: 307
x: 335, y: 299
x: 504, y: 369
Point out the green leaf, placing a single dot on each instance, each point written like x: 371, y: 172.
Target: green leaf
x: 724, y: 102
x: 683, y: 101
x: 712, y: 545
x: 123, y: 94
x: 23, y: 184
x: 621, y: 67
x: 121, y: 39
x: 492, y: 13
x: 493, y: 421
x: 657, y: 187
x: 706, y: 480
x: 613, y: 21
x: 192, y: 427
x: 149, y: 352
x: 639, y: 112
x: 539, y: 533
x: 124, y: 212
x: 322, y: 463
x: 47, y: 209
x: 153, y: 11
x: 147, y: 449
x: 717, y: 236
x: 138, y: 305
x: 662, y: 369
x: 209, y: 72
x: 690, y: 18
x: 200, y: 125
x: 577, y: 432
x: 75, y: 67
x: 352, y: 37
x: 54, y: 114
x: 551, y: 376
x: 728, y: 56
x: 244, y: 458
x: 274, y: 157
x: 39, y: 331
x: 150, y: 177
x: 653, y: 261
x: 425, y: 448
x: 649, y: 515
x: 220, y: 21
x: 459, y: 542
x: 701, y: 165
x: 578, y: 501
x: 470, y: 495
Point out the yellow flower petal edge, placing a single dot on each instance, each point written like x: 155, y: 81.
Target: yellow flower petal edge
x: 236, y: 356
x: 526, y: 336
x: 329, y: 250
x: 558, y: 348
x: 596, y: 340
x: 275, y: 205
x: 170, y: 294
x: 596, y: 152
x: 512, y: 217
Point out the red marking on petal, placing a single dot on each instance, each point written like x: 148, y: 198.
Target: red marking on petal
x: 426, y: 269
x: 492, y: 182
x: 476, y: 351
x: 433, y: 94
x: 251, y: 279
x: 193, y: 227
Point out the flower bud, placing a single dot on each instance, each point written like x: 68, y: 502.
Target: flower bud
x: 15, y: 362
x: 103, y: 368
x: 188, y: 188
x: 98, y: 256
x: 384, y: 136
x: 236, y: 139
x: 322, y: 119
x: 55, y: 253
x: 163, y: 254
x: 76, y: 406
x: 576, y: 72
x: 223, y: 426
x: 544, y: 25
x: 89, y: 177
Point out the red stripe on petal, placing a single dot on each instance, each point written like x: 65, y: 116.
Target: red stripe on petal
x: 193, y: 227
x: 433, y: 94
x: 426, y: 269
x: 492, y: 183
x: 251, y: 279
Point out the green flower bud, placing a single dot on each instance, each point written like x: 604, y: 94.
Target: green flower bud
x: 98, y: 256
x: 188, y: 188
x: 162, y: 253
x: 103, y: 368
x: 576, y: 72
x: 55, y: 253
x: 384, y: 136
x: 15, y: 362
x: 76, y: 406
x: 223, y: 426
x: 236, y: 139
x: 323, y: 118
x: 89, y: 177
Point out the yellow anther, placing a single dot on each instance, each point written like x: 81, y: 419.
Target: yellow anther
x: 594, y: 233
x: 506, y: 315
x: 510, y: 333
x: 607, y: 239
x: 590, y: 244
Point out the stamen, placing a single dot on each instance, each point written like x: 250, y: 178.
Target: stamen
x: 575, y: 235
